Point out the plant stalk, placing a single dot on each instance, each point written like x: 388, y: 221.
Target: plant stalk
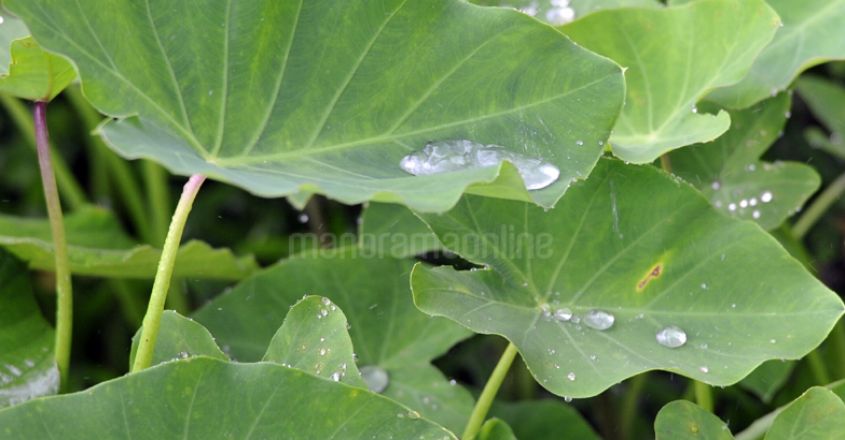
x: 152, y: 319
x: 70, y: 188
x: 64, y: 289
x: 629, y: 405
x: 703, y: 396
x: 482, y: 406
x: 819, y: 206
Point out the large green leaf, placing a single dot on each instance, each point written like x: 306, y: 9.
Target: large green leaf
x: 35, y: 74
x: 394, y: 230
x: 636, y: 243
x: 27, y: 367
x: 205, y: 398
x: 543, y: 419
x: 313, y: 338
x: 97, y: 246
x: 812, y: 34
x: 729, y: 171
x: 558, y: 13
x: 179, y: 338
x: 389, y: 334
x: 817, y: 414
x: 674, y: 57
x: 682, y: 420
x: 320, y: 96
x: 826, y: 100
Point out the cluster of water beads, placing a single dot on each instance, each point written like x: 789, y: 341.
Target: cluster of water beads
x: 743, y: 204
x: 457, y: 155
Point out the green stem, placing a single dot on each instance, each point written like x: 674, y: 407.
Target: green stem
x: 818, y: 368
x: 158, y: 199
x: 629, y: 405
x: 479, y: 413
x: 819, y: 206
x: 703, y: 395
x: 71, y: 190
x: 152, y: 319
x: 119, y: 170
x: 666, y: 163
x: 64, y: 292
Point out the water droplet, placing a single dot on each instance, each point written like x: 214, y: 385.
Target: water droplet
x: 752, y: 201
x: 732, y: 207
x: 326, y: 301
x: 453, y: 382
x: 456, y: 155
x: 323, y: 352
x: 593, y: 357
x: 579, y: 143
x: 377, y: 378
x: 766, y: 197
x: 567, y: 399
x: 563, y: 314
x: 704, y: 370
x: 704, y: 286
x: 716, y: 185
x: 672, y: 337
x: 2, y: 20
x: 743, y: 203
x: 560, y: 16
x: 571, y: 376
x: 303, y: 218
x: 773, y: 341
x: 694, y: 109
x: 324, y: 312
x: 756, y: 214
x: 336, y: 376
x: 599, y: 319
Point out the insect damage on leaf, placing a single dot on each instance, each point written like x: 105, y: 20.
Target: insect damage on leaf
x: 652, y: 274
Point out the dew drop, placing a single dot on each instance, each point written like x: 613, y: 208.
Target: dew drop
x: 671, y: 337
x: 756, y: 214
x: 377, y: 378
x: 599, y: 319
x: 567, y: 399
x: 716, y: 185
x: 732, y: 207
x: 456, y: 155
x: 704, y: 370
x: 563, y: 314
x: 336, y: 376
x: 303, y: 218
x: 571, y: 376
x: 579, y: 143
x: 323, y: 352
x: 766, y: 197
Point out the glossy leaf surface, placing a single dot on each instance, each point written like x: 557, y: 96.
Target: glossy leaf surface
x: 97, y: 246
x: 387, y: 331
x: 613, y: 246
x: 344, y: 90
x: 27, y: 367
x: 674, y: 57
x: 208, y: 398
x: 683, y: 420
x: 730, y: 173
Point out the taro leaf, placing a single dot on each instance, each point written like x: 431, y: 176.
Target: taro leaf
x: 683, y: 420
x: 495, y: 429
x: 674, y: 57
x: 27, y: 367
x: 206, y: 398
x: 313, y: 338
x: 826, y: 100
x: 35, y: 74
x: 282, y: 97
x: 97, y: 246
x: 636, y: 243
x: 557, y: 13
x: 729, y: 171
x: 394, y: 230
x: 817, y: 414
x: 11, y: 29
x: 544, y: 419
x: 179, y: 338
x: 812, y: 34
x: 389, y: 334
x: 768, y: 378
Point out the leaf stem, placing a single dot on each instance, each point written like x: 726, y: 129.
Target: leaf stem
x: 703, y: 395
x: 71, y: 189
x: 64, y: 290
x: 666, y: 163
x: 819, y: 206
x: 629, y: 404
x: 152, y: 319
x: 482, y: 406
x: 158, y: 199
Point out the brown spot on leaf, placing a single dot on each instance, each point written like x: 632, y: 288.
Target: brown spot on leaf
x: 652, y: 274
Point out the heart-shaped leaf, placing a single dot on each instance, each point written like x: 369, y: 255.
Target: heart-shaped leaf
x: 179, y: 338
x: 674, y: 57
x: 343, y: 92
x: 817, y: 414
x: 313, y: 338
x: 682, y: 420
x: 544, y: 419
x: 826, y: 100
x: 557, y: 13
x: 393, y: 340
x: 207, y: 398
x: 27, y: 367
x: 729, y: 171
x: 97, y: 246
x: 812, y: 34
x: 674, y: 284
